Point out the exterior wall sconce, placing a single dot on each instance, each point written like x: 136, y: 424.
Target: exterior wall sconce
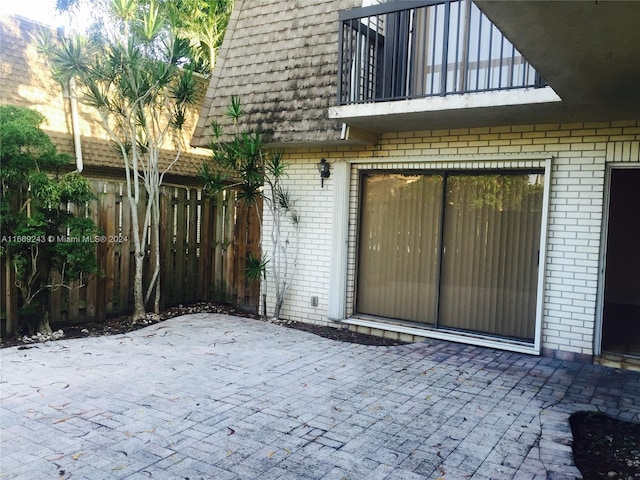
x: 323, y: 168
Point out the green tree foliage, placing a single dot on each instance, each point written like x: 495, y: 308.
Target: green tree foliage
x: 134, y: 80
x: 243, y: 165
x: 201, y: 24
x: 497, y: 191
x: 40, y: 210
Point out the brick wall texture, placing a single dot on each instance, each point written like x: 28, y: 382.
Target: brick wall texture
x: 580, y: 153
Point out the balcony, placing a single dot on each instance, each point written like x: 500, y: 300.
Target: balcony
x: 405, y: 50
x: 415, y: 53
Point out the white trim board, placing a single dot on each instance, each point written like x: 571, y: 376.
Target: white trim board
x: 466, y: 338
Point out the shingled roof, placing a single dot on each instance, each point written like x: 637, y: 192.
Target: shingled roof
x: 280, y: 58
x: 25, y: 81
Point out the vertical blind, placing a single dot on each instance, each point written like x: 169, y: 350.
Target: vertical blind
x: 452, y: 250
x: 398, y: 266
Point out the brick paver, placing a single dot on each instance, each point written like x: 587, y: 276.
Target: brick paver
x: 210, y: 396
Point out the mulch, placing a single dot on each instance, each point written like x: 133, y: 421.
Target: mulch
x: 124, y: 324
x: 605, y: 447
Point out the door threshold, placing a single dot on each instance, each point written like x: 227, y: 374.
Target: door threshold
x: 457, y: 337
x: 618, y: 360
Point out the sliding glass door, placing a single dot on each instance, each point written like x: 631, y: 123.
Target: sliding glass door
x: 451, y: 250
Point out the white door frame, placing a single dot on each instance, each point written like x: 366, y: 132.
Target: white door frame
x: 453, y: 162
x: 597, y: 337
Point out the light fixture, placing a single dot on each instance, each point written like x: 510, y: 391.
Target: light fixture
x: 323, y: 168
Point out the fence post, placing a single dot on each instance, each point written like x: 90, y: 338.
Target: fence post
x: 10, y: 299
x: 205, y: 263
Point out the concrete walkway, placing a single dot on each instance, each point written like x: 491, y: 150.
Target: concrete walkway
x: 210, y: 396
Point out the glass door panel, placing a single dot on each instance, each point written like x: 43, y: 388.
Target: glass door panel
x: 490, y: 253
x: 399, y: 244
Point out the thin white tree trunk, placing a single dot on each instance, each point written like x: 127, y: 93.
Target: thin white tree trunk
x: 138, y: 296
x: 138, y: 242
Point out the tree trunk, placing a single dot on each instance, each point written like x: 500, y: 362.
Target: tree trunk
x: 138, y: 296
x: 278, y: 306
x: 275, y: 246
x: 44, y: 326
x: 156, y: 238
x: 138, y: 293
x: 154, y: 212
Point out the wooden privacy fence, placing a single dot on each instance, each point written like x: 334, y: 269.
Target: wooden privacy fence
x: 204, y: 242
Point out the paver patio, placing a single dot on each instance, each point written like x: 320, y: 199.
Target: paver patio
x: 219, y: 397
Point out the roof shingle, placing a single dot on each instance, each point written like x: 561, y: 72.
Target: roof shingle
x: 280, y: 58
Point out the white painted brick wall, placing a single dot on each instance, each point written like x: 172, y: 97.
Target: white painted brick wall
x: 580, y: 153
x: 313, y: 204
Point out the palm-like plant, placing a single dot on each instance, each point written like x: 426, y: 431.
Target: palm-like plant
x: 132, y: 78
x: 244, y: 165
x: 201, y: 23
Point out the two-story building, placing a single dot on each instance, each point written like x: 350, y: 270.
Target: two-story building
x: 484, y: 160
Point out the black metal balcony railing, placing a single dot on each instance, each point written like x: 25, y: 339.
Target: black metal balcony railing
x: 413, y: 49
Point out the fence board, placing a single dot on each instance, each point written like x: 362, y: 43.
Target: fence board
x: 9, y: 298
x: 111, y: 267
x: 90, y: 281
x: 73, y: 299
x: 252, y: 241
x: 101, y: 282
x: 230, y: 269
x: 180, y: 233
x: 55, y: 301
x: 205, y: 252
x: 217, y: 243
x: 202, y: 258
x: 240, y: 247
x: 166, y: 273
x: 191, y: 263
x: 125, y: 250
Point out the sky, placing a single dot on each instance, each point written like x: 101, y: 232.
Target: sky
x: 41, y: 10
